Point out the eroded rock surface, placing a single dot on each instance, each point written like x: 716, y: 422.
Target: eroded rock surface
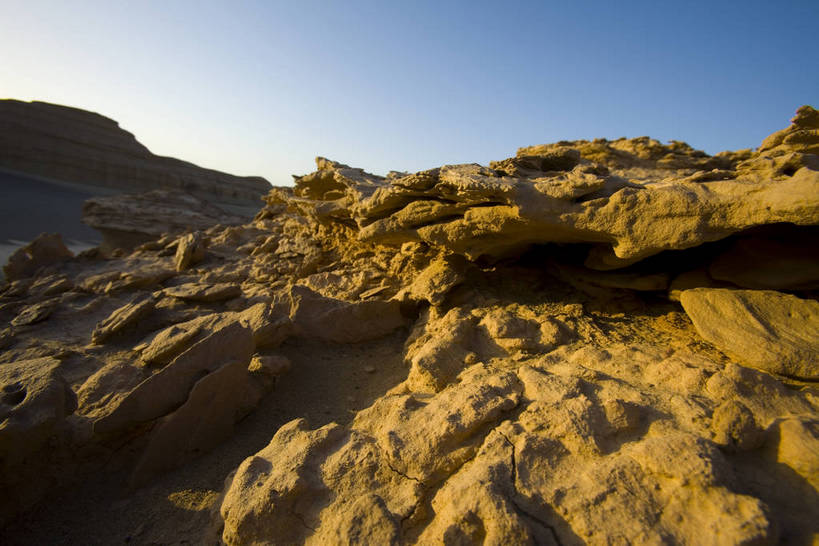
x: 591, y: 342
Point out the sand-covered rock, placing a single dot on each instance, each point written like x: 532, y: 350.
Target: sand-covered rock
x: 592, y: 342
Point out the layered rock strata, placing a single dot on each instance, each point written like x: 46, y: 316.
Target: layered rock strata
x: 593, y: 353
x: 73, y: 145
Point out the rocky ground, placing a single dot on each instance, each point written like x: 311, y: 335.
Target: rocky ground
x: 591, y: 342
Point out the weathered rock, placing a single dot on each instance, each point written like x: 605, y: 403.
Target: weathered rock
x: 768, y: 330
x: 33, y: 314
x: 190, y: 251
x: 342, y: 322
x: 436, y: 280
x: 47, y: 249
x: 169, y: 388
x: 796, y: 444
x: 270, y: 327
x: 123, y: 318
x: 215, y: 403
x: 735, y: 427
x: 269, y: 365
x: 126, y: 221
x: 136, y: 276
x: 535, y: 400
x: 34, y: 402
x: 204, y: 292
x: 78, y: 146
x: 262, y: 494
x: 476, y: 211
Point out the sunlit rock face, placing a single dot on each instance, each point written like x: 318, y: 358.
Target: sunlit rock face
x: 591, y: 342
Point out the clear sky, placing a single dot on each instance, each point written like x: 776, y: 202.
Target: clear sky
x: 263, y: 87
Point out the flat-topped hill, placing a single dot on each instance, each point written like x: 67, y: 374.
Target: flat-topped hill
x: 74, y: 145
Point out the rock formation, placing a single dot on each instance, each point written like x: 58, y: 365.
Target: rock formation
x: 591, y: 342
x: 73, y: 145
x: 128, y: 220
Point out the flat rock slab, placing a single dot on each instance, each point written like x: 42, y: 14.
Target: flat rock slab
x: 204, y: 292
x: 768, y: 330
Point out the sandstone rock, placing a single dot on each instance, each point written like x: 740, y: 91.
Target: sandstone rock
x: 47, y: 249
x: 34, y: 402
x: 168, y: 389
x: 136, y: 276
x: 342, y: 322
x: 78, y: 146
x: 735, y: 427
x: 34, y: 313
x: 123, y: 318
x: 695, y: 278
x: 191, y: 250
x: 769, y: 330
x: 166, y: 344
x: 204, y: 292
x: 270, y: 325
x: 475, y: 211
x: 435, y: 282
x: 126, y: 221
x: 269, y: 329
x: 262, y: 494
x: 269, y: 365
x: 215, y: 403
x: 795, y: 441
x: 430, y: 442
x: 438, y: 349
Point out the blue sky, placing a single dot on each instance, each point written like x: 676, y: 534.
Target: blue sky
x: 263, y: 87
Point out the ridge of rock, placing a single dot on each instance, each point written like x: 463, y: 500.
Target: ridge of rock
x: 74, y: 145
x: 591, y: 342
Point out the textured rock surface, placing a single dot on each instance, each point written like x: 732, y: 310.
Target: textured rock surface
x: 131, y: 219
x: 768, y: 330
x: 593, y: 342
x: 45, y: 250
x: 74, y: 145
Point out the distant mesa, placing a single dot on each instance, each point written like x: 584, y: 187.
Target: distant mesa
x: 73, y: 145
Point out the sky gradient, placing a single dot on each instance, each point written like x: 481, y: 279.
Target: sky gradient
x: 263, y: 87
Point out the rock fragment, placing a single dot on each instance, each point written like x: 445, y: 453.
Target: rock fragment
x: 166, y: 390
x: 47, y: 249
x: 342, y: 322
x: 123, y: 318
x: 205, y: 292
x: 190, y: 251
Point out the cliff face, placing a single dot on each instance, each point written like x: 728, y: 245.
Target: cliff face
x: 593, y: 342
x: 74, y: 145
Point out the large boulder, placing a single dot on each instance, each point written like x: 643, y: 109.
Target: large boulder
x: 765, y: 329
